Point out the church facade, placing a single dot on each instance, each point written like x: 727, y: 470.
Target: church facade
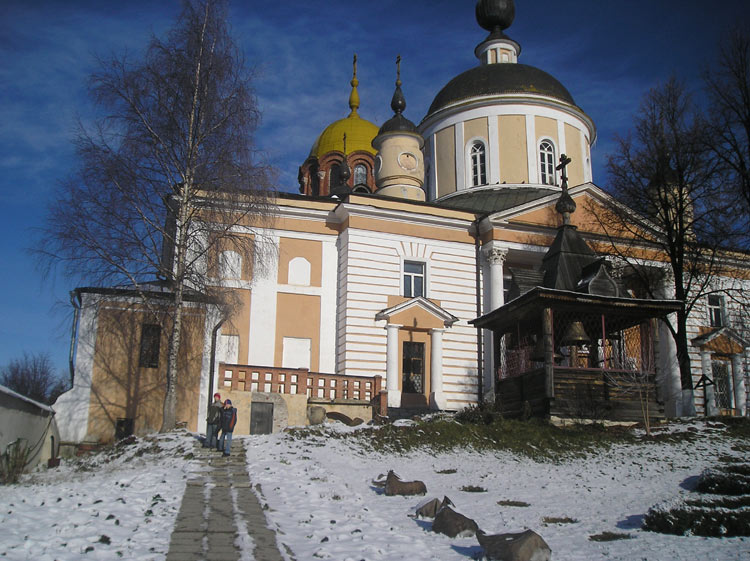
x: 401, y: 238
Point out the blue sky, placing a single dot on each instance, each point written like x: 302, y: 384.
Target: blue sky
x: 608, y: 54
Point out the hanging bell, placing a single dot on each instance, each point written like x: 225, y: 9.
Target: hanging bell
x: 575, y: 335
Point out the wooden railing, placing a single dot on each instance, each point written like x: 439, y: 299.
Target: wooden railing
x: 240, y: 377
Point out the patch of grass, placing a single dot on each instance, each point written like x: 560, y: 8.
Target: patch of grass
x: 609, y: 537
x: 721, y: 481
x: 446, y: 471
x: 473, y: 489
x: 683, y: 520
x: 559, y: 520
x: 738, y: 468
x: 737, y: 427
x: 535, y: 439
x: 513, y: 503
x: 730, y: 503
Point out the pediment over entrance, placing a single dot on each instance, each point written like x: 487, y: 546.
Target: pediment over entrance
x: 417, y: 312
x: 721, y: 340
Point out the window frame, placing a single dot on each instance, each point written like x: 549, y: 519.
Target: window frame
x: 477, y: 171
x: 716, y: 313
x: 357, y: 166
x: 547, y: 159
x: 150, y: 345
x: 411, y: 276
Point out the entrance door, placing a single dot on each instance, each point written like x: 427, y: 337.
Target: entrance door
x: 413, y: 368
x: 261, y: 418
x: 722, y: 386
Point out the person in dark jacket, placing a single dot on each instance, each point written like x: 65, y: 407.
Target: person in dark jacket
x: 228, y: 420
x: 212, y: 423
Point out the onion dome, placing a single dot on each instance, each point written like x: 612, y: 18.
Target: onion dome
x: 493, y: 77
x: 498, y: 79
x: 398, y: 123
x: 359, y: 132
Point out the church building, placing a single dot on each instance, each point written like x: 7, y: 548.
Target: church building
x: 422, y: 267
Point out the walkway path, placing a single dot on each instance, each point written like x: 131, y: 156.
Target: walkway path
x: 220, y: 516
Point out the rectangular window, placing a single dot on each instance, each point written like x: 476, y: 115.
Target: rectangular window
x: 715, y: 310
x: 413, y: 279
x: 413, y: 368
x: 150, y: 339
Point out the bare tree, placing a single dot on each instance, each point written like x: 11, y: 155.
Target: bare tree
x: 728, y: 87
x: 663, y: 172
x: 33, y: 376
x: 168, y: 176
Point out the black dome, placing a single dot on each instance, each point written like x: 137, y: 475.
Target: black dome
x: 493, y: 79
x: 398, y: 123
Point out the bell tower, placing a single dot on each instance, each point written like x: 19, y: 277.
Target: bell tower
x: 399, y: 164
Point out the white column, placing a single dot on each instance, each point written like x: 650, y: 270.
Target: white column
x: 495, y: 287
x: 391, y: 365
x: 262, y: 331
x: 496, y: 258
x: 328, y: 307
x: 669, y: 367
x: 738, y: 376
x: 437, y: 397
x: 708, y: 388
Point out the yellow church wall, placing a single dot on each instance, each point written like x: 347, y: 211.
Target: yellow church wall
x: 396, y: 299
x: 547, y: 128
x: 513, y: 154
x: 417, y: 317
x: 573, y: 151
x: 238, y: 243
x: 312, y: 250
x: 298, y: 315
x: 476, y: 128
x: 406, y: 206
x: 308, y: 226
x: 406, y: 229
x: 120, y: 388
x: 445, y: 164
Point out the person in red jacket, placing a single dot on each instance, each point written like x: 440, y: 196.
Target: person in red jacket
x: 228, y: 420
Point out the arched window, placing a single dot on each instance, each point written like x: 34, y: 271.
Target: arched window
x: 547, y: 162
x: 334, y: 176
x: 360, y: 175
x: 477, y: 163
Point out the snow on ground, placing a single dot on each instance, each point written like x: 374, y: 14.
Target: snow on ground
x: 321, y: 499
x: 323, y: 505
x: 118, y: 504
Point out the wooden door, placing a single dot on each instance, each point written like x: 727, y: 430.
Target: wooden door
x: 261, y: 418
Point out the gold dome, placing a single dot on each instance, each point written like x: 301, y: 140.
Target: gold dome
x: 359, y: 132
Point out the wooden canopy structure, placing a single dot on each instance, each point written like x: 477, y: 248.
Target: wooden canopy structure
x: 576, y: 355
x: 573, y: 346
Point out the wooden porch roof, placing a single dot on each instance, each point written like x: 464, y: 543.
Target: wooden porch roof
x: 621, y: 312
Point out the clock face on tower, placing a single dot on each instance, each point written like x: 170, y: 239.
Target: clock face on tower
x: 407, y: 161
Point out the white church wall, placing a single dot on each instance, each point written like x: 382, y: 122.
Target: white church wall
x: 371, y: 272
